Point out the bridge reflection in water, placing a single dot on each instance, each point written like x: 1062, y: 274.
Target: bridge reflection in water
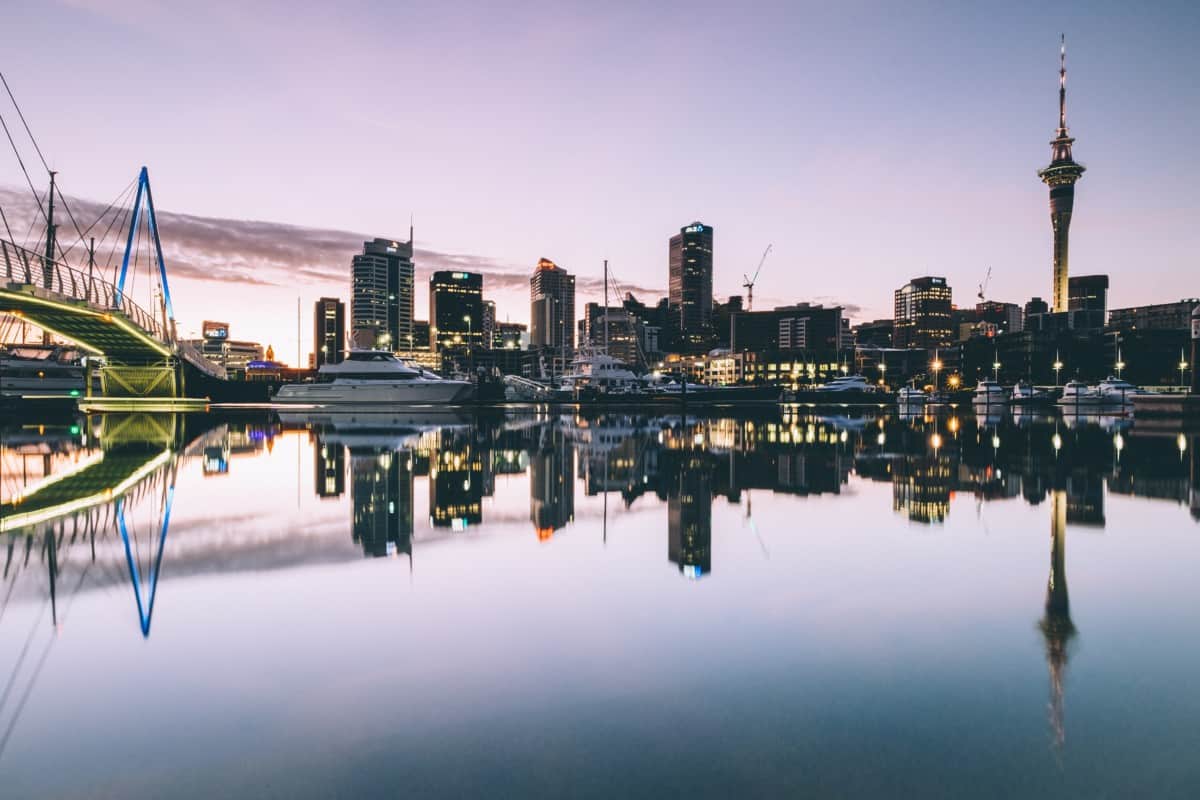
x: 95, y: 499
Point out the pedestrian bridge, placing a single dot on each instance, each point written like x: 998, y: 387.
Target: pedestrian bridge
x: 139, y: 354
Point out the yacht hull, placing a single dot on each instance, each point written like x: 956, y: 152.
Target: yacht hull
x: 376, y: 394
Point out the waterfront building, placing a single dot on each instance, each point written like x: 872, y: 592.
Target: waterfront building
x: 231, y: 354
x: 455, y: 310
x: 690, y: 276
x: 801, y: 326
x: 329, y: 331
x: 877, y: 333
x: 1061, y: 175
x: 381, y: 303
x: 622, y: 332
x: 1087, y: 301
x: 552, y: 313
x: 922, y: 313
x: 1158, y: 316
x: 510, y: 336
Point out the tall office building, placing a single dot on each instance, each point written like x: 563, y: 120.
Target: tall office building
x: 552, y: 311
x: 690, y: 285
x: 329, y: 331
x: 922, y: 313
x: 1087, y: 300
x: 381, y: 304
x: 489, y: 324
x: 455, y: 310
x: 1060, y: 176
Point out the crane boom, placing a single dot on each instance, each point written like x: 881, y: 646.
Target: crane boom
x: 983, y: 286
x: 749, y: 282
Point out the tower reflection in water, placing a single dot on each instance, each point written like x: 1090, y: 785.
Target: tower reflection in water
x: 1056, y: 625
x: 381, y: 484
x: 551, y: 482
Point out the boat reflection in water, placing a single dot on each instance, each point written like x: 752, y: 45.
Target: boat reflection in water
x: 140, y: 503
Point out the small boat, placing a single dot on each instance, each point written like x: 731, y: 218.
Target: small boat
x: 596, y: 372
x: 989, y: 393
x: 375, y: 377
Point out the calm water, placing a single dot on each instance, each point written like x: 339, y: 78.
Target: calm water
x: 616, y: 606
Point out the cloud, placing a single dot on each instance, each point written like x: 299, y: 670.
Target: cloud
x: 253, y: 252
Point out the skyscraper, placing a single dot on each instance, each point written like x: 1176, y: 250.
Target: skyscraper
x: 329, y: 331
x: 922, y: 313
x: 1060, y: 176
x: 455, y: 310
x: 381, y: 305
x: 552, y: 311
x: 690, y: 285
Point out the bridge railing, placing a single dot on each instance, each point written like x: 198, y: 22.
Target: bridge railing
x: 25, y: 266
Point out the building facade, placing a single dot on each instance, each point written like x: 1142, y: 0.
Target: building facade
x: 552, y: 312
x: 789, y: 328
x: 329, y: 331
x: 1087, y: 301
x: 381, y: 303
x: 690, y: 275
x: 922, y: 313
x: 1160, y: 316
x: 455, y: 310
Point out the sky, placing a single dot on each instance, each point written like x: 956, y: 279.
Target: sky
x: 868, y: 142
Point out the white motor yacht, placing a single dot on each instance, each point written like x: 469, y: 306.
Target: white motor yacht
x: 847, y: 383
x: 374, y: 377
x: 600, y: 372
x: 1077, y: 394
x: 1115, y: 390
x: 911, y: 397
x: 989, y: 393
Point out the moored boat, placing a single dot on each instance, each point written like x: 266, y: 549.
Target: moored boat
x: 375, y: 377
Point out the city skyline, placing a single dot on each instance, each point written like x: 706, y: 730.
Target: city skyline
x: 766, y: 172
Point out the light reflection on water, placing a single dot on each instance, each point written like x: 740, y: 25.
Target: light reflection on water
x: 842, y: 604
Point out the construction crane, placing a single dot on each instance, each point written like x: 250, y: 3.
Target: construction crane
x: 749, y: 282
x: 983, y: 286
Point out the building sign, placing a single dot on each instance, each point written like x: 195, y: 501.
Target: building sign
x: 215, y: 330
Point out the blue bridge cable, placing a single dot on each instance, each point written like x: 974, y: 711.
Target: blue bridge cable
x: 145, y: 611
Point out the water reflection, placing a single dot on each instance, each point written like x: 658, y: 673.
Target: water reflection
x: 88, y: 505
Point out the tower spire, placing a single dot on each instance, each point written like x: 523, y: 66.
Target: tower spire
x: 1062, y: 85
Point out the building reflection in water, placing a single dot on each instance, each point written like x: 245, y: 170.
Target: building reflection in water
x: 329, y: 459
x: 1056, y: 625
x: 456, y: 482
x: 552, y: 482
x: 381, y: 487
x: 689, y: 515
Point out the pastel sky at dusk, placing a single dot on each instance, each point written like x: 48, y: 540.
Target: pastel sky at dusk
x: 869, y: 142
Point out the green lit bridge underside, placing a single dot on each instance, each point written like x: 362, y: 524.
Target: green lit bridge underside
x: 106, y: 333
x: 99, y: 482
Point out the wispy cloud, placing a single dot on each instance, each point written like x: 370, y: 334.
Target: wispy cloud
x: 253, y: 252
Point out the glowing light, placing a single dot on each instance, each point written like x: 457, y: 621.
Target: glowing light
x: 1119, y: 442
x: 995, y: 441
x: 1181, y: 442
x: 880, y: 439
x: 952, y: 424
x: 936, y: 440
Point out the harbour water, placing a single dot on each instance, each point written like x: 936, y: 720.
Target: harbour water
x: 542, y: 603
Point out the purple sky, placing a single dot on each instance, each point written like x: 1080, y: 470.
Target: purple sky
x: 868, y: 142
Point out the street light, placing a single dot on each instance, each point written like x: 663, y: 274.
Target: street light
x: 882, y: 370
x: 996, y: 370
x: 1058, y: 365
x: 1183, y: 365
x: 937, y: 367
x: 470, y: 349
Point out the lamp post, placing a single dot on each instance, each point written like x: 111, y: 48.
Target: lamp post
x: 1183, y: 365
x: 1058, y: 365
x: 882, y: 371
x: 937, y: 368
x: 996, y: 371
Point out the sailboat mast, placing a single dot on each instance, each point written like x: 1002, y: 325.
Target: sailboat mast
x: 606, y: 306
